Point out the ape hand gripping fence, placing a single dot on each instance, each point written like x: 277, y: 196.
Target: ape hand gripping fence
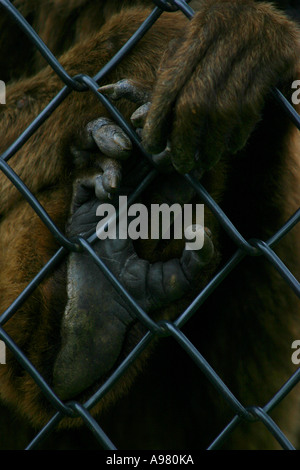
x: 82, y: 83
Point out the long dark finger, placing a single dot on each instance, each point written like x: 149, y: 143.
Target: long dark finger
x: 174, y: 75
x: 164, y: 159
x: 138, y: 118
x: 155, y: 285
x: 112, y: 174
x: 128, y: 89
x: 188, y: 134
x: 110, y: 138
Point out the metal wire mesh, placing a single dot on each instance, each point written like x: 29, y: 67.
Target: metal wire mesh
x: 83, y: 83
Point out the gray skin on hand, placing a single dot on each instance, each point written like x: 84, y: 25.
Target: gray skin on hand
x: 97, y: 319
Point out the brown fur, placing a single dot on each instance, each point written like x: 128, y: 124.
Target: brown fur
x: 247, y: 335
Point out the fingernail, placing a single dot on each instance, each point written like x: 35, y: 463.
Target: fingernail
x: 107, y: 89
x: 111, y: 181
x: 114, y: 181
x: 139, y: 116
x: 208, y: 232
x: 122, y: 141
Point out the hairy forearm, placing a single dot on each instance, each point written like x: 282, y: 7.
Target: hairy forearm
x: 47, y: 151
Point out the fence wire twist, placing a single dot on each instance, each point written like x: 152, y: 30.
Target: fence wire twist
x: 253, y: 247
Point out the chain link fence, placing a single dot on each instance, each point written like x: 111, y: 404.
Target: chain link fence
x: 84, y: 83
